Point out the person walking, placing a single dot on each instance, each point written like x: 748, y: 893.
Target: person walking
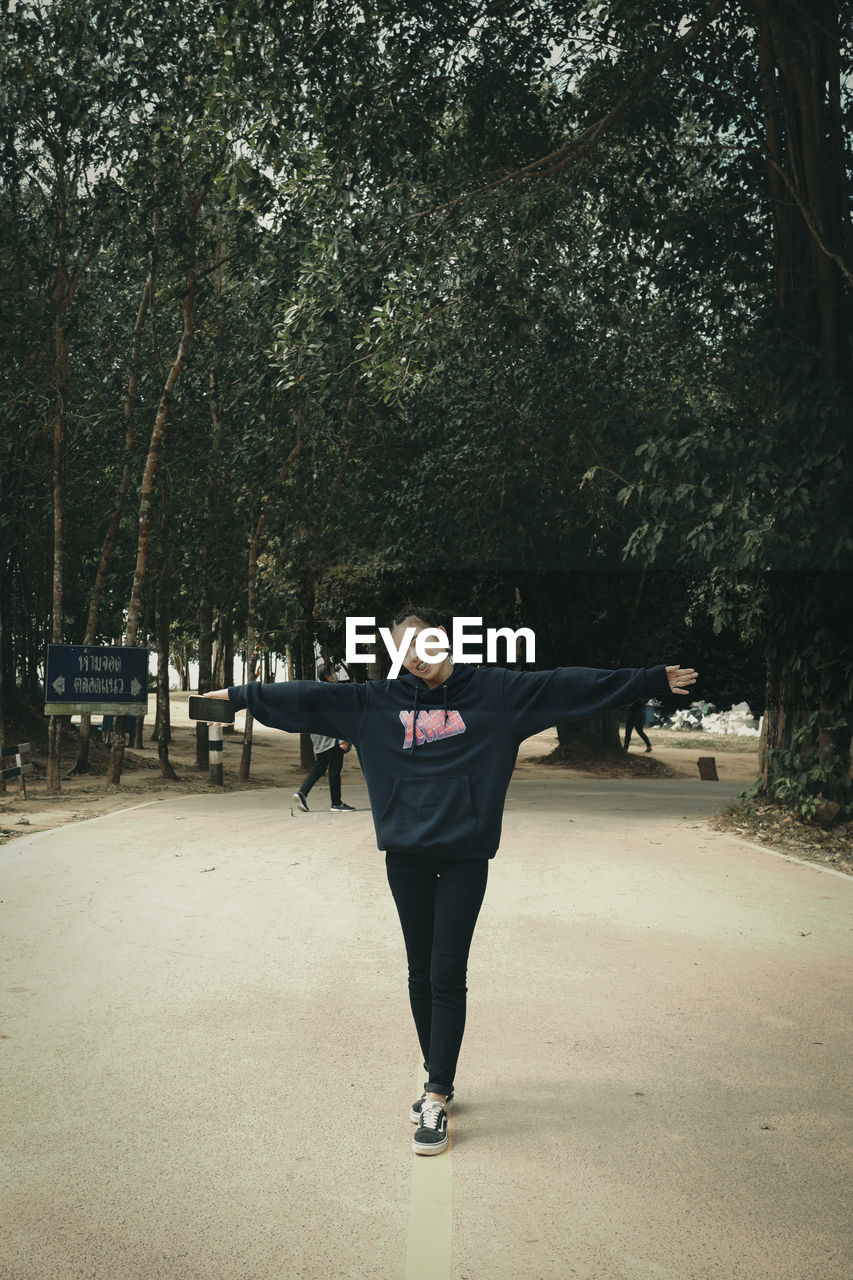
x: 636, y: 720
x: 328, y: 757
x: 437, y: 746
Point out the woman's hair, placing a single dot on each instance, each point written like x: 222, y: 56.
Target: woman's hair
x: 430, y: 616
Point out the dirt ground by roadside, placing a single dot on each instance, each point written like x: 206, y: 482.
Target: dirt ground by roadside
x: 773, y: 827
x: 275, y: 763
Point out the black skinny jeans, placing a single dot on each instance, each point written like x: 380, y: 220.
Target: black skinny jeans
x: 636, y: 728
x: 438, y: 901
x: 332, y: 760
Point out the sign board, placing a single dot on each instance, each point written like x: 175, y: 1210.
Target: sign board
x: 84, y: 679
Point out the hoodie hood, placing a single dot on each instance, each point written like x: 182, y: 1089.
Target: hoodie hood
x: 459, y: 678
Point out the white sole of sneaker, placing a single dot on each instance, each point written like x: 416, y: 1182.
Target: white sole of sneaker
x: 430, y: 1149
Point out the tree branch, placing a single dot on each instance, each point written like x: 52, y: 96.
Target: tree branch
x: 562, y: 157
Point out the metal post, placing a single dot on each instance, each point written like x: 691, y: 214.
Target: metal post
x: 214, y: 741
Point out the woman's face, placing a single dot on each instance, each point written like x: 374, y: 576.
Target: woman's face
x: 432, y: 673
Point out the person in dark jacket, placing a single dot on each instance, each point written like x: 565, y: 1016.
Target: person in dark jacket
x: 328, y: 756
x: 636, y: 720
x: 437, y: 746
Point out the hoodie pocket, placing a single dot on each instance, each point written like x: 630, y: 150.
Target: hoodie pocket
x: 429, y: 812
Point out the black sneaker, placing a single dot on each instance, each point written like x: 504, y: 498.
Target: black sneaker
x: 415, y: 1113
x: 343, y: 808
x: 301, y: 801
x: 431, y: 1134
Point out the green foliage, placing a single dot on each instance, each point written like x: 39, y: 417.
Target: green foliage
x: 801, y: 778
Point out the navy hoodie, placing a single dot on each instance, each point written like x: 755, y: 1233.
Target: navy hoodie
x: 438, y: 762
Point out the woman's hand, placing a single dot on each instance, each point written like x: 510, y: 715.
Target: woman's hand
x: 680, y: 678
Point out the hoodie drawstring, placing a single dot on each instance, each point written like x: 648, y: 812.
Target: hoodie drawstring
x: 415, y: 722
x: 415, y: 715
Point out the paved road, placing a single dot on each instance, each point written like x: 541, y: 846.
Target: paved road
x: 207, y: 1058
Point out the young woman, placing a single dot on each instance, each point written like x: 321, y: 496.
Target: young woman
x: 437, y: 746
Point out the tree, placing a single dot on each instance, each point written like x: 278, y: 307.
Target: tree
x: 66, y: 135
x: 771, y: 444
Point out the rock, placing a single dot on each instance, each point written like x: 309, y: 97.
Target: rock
x: 826, y: 812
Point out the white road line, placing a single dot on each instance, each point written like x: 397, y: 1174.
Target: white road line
x: 428, y: 1243
x: 789, y: 857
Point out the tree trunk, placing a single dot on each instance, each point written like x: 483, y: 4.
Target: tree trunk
x: 255, y: 545
x: 306, y: 651
x: 807, y: 738
x: 784, y: 694
x: 246, y: 753
x: 252, y: 586
x: 62, y: 380
x: 7, y: 680
x: 111, y: 536
x: 161, y: 626
x: 801, y: 46
x: 808, y: 701
x: 57, y: 624
x: 218, y: 680
x: 68, y: 279
x: 81, y: 764
x: 228, y: 647
x: 615, y: 598
x: 211, y: 516
x: 2, y: 690
x: 223, y: 652
x: 152, y: 463
x: 598, y: 735
x: 205, y: 667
